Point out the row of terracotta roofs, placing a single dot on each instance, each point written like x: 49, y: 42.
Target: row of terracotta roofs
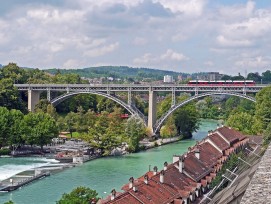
x: 188, y: 177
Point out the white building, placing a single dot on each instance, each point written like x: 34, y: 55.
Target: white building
x: 168, y: 79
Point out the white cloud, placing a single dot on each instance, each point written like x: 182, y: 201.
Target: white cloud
x: 237, y: 11
x: 209, y: 63
x: 153, y: 60
x: 87, y: 32
x: 171, y: 55
x: 189, y: 8
x: 99, y: 51
x: 255, y: 62
x: 140, y: 41
x: 233, y: 43
x: 145, y: 59
x: 179, y: 37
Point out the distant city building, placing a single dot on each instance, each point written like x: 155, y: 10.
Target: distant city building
x: 210, y: 76
x: 168, y: 79
x: 214, y: 76
x: 180, y: 78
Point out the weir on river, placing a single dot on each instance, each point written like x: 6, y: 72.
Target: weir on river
x: 102, y: 174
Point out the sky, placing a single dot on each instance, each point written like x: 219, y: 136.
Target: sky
x: 228, y: 36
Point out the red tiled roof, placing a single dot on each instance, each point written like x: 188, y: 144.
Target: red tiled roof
x: 195, y: 168
x: 174, y: 178
x: 124, y: 198
x: 239, y: 134
x: 219, y: 141
x: 154, y: 192
x: 209, y: 155
x: 229, y: 134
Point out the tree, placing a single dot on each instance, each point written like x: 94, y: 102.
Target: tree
x: 40, y: 128
x: 15, y: 127
x: 70, y: 121
x: 4, y: 126
x: 79, y: 195
x: 187, y: 120
x: 266, y: 76
x: 9, y: 95
x: 164, y: 106
x: 97, y: 134
x: 243, y: 122
x: 226, y: 77
x: 134, y: 131
x: 42, y: 105
x: 255, y: 77
x: 263, y: 104
x: 267, y: 134
x: 9, y: 202
x: 169, y: 129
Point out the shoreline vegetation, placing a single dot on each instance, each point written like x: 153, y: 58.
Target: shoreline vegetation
x: 99, y: 120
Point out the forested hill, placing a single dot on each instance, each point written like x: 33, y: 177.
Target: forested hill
x: 118, y: 72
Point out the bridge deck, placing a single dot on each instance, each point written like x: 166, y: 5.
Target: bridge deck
x: 136, y: 87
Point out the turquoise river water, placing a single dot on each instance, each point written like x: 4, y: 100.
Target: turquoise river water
x: 102, y: 174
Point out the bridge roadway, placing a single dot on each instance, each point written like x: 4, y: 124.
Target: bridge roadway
x: 109, y: 90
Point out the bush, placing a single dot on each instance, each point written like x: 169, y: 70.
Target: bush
x: 5, y: 151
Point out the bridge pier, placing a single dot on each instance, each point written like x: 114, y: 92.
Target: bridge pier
x: 152, y: 109
x: 33, y: 99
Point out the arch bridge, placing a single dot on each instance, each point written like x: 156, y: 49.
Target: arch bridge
x: 109, y: 90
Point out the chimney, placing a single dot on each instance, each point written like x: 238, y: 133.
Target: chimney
x: 113, y: 194
x: 146, y: 179
x: 131, y: 182
x: 155, y: 169
x: 181, y: 164
x: 135, y: 188
x: 189, y: 149
x: 162, y: 173
x: 197, y: 153
x: 165, y: 166
x: 175, y: 158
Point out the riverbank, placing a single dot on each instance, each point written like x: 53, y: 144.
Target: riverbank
x: 102, y: 174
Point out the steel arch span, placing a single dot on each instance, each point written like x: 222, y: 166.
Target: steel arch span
x: 172, y: 109
x: 132, y: 109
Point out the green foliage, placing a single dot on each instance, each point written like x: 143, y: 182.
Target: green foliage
x: 230, y: 164
x: 169, y: 129
x: 4, y: 125
x: 121, y: 72
x: 186, y: 119
x: 9, y: 95
x: 39, y: 128
x: 263, y: 107
x: 266, y: 76
x: 243, y: 122
x: 164, y: 106
x: 5, y: 151
x: 9, y: 202
x: 267, y: 134
x: 15, y: 127
x: 135, y: 131
x: 106, y: 132
x: 79, y: 195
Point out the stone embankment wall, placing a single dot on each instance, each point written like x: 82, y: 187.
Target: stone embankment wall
x: 259, y: 189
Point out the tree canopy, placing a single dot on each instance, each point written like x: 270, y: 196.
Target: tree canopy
x: 79, y: 195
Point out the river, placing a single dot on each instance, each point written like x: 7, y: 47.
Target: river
x: 102, y: 174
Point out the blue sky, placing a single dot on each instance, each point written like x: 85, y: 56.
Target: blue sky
x: 229, y: 36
